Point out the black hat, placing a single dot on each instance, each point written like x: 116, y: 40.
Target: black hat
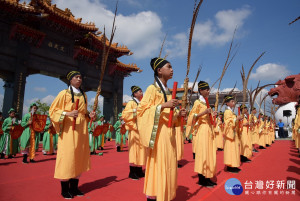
x: 158, y: 63
x: 71, y: 74
x: 254, y: 108
x: 221, y: 113
x: 228, y: 98
x: 135, y: 89
x: 203, y: 85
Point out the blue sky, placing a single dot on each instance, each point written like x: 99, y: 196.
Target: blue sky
x: 142, y: 25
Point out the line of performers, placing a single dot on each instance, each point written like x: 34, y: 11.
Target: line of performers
x: 155, y: 139
x: 159, y: 147
x: 21, y: 136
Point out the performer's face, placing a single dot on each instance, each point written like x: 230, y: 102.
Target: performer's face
x: 34, y: 109
x: 166, y: 71
x: 231, y: 103
x: 254, y: 111
x: 204, y: 92
x: 12, y: 114
x: 139, y: 94
x: 76, y: 81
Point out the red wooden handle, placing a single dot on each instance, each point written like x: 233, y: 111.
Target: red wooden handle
x: 74, y: 120
x: 210, y: 116
x: 172, y: 109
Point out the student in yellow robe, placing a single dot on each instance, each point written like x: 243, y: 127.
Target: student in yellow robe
x: 219, y: 130
x: 137, y: 152
x: 231, y: 137
x: 205, y: 158
x: 73, y: 154
x: 253, y: 129
x: 261, y: 132
x: 245, y: 145
x: 152, y: 117
x: 179, y: 144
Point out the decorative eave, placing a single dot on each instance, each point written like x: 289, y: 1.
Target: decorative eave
x: 118, y: 50
x: 26, y: 33
x: 124, y: 69
x: 65, y: 17
x: 85, y: 54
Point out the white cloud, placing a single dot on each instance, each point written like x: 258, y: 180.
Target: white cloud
x: 177, y: 46
x: 270, y: 72
x: 126, y: 98
x: 140, y: 32
x: 100, y: 102
x: 220, y: 31
x: 40, y: 89
x: 48, y: 99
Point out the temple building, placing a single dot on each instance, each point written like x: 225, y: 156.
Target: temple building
x: 39, y: 38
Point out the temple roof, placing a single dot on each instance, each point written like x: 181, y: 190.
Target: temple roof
x: 45, y: 8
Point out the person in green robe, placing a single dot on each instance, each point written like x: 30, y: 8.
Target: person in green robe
x: 28, y: 137
x: 1, y: 123
x: 109, y: 133
x: 100, y: 122
x: 94, y: 143
x: 8, y: 146
x: 48, y: 139
x: 117, y: 128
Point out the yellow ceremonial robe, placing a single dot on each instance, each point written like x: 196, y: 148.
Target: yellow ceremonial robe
x: 253, y: 129
x: 246, y: 145
x: 231, y: 145
x: 261, y: 139
x: 137, y: 152
x: 205, y: 159
x: 161, y: 165
x: 73, y: 153
x: 219, y: 134
x: 179, y: 143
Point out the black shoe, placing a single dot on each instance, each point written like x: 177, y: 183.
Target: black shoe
x: 179, y: 165
x: 210, y: 182
x: 101, y: 148
x: 148, y: 199
x: 132, y: 173
x: 118, y: 149
x: 219, y: 149
x: 25, y: 158
x: 233, y: 170
x: 32, y: 161
x: 267, y: 145
x: 139, y: 172
x: 65, y: 190
x: 74, y: 191
x: 2, y: 156
x: 10, y: 157
x: 261, y: 147
x: 194, y: 155
x: 190, y: 141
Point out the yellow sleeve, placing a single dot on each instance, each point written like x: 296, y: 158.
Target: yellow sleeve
x: 129, y: 115
x: 230, y: 124
x: 192, y: 118
x: 148, y: 115
x: 57, y: 111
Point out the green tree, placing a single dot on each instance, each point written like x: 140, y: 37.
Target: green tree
x: 43, y: 108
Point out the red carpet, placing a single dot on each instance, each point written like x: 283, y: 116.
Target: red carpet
x: 108, y: 178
